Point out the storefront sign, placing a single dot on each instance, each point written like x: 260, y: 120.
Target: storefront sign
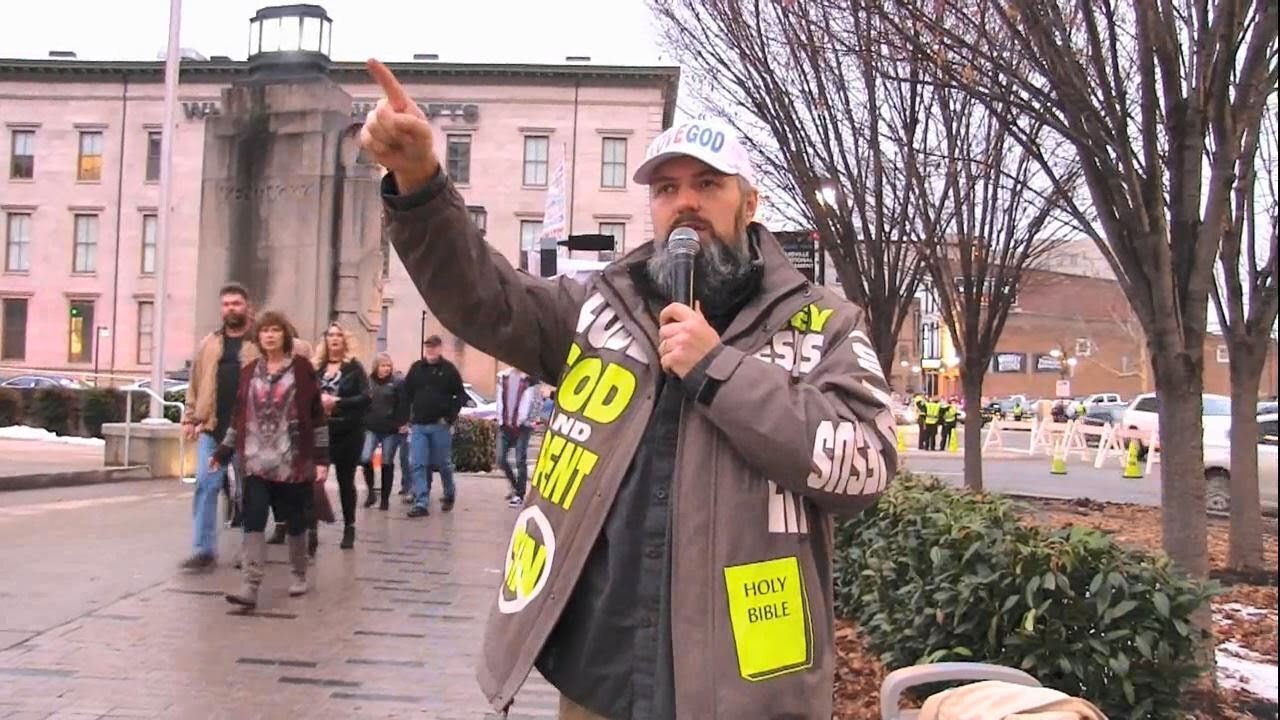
x: 1048, y: 364
x: 1009, y: 363
x: 801, y: 250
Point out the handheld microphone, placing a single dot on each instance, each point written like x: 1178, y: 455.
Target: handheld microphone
x: 682, y: 248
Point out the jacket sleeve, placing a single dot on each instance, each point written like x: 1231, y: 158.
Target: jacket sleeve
x: 828, y: 436
x: 472, y: 288
x: 356, y: 401
x: 459, y: 393
x: 194, y: 386
x: 528, y: 401
x: 319, y: 420
x: 401, y: 415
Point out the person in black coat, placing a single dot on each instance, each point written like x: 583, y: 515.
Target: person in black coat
x: 388, y: 414
x: 344, y: 392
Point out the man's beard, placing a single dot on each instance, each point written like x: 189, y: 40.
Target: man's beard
x: 718, y: 268
x: 235, y: 321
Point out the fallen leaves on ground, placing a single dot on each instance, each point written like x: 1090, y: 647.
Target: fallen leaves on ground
x: 1246, y: 612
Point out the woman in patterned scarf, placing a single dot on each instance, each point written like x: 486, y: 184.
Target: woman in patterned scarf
x: 279, y: 429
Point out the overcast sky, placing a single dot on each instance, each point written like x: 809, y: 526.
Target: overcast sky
x: 610, y: 31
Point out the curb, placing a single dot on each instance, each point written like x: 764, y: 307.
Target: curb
x: 73, y: 478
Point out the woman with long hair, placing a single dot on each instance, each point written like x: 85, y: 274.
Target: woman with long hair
x: 279, y: 430
x: 388, y: 413
x: 344, y: 392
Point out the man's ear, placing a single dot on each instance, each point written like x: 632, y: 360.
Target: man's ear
x: 751, y: 202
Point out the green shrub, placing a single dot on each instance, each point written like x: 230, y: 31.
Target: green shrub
x: 100, y: 406
x: 173, y: 414
x: 56, y: 410
x: 475, y: 445
x: 933, y: 574
x: 11, y: 411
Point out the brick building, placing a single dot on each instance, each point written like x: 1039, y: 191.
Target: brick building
x: 79, y: 170
x: 1074, y: 307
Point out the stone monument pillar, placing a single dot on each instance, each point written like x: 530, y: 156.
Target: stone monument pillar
x: 288, y: 209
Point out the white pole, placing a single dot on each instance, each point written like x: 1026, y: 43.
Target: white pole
x: 171, y: 61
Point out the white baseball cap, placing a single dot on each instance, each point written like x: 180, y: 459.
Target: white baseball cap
x: 712, y: 141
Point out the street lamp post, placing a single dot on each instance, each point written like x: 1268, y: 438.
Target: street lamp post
x: 172, y: 58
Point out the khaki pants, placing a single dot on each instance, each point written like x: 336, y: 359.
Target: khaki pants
x: 570, y: 710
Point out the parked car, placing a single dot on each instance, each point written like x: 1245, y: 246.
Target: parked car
x: 1100, y: 416
x: 1143, y: 416
x: 170, y: 385
x: 1102, y: 399
x: 1217, y: 469
x: 43, y: 381
x: 478, y: 407
x: 1267, y: 407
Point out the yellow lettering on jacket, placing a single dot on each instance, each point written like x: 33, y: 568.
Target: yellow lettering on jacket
x: 811, y: 319
x: 600, y: 392
x: 530, y: 558
x: 562, y: 466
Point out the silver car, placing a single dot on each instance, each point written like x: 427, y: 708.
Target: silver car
x: 1217, y: 469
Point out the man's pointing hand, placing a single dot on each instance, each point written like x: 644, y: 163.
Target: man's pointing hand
x: 397, y: 135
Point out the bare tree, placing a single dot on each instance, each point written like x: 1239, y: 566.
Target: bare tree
x: 1158, y: 101
x: 998, y: 216
x: 1245, y: 298
x: 829, y: 150
x: 1134, y: 339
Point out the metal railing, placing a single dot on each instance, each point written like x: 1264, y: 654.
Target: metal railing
x: 128, y: 426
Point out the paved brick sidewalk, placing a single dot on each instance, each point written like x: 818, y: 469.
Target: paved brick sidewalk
x: 390, y: 630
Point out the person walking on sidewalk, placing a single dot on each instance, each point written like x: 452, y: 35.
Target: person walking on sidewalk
x: 518, y: 405
x: 388, y: 413
x: 673, y: 558
x: 211, y: 395
x: 436, y: 395
x: 279, y: 431
x: 344, y: 392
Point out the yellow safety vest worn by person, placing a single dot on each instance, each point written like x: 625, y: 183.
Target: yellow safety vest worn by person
x: 931, y: 410
x: 1081, y: 410
x: 951, y: 415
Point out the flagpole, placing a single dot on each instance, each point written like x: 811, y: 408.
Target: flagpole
x: 172, y: 58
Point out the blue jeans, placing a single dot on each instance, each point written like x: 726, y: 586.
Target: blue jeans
x: 519, y: 439
x: 204, y: 504
x: 431, y: 445
x: 390, y: 443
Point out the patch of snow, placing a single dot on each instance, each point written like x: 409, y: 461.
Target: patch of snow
x: 24, y: 432
x: 1248, y: 611
x: 1258, y: 677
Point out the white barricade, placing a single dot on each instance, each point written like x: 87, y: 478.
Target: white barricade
x: 1047, y: 434
x: 1078, y: 438
x: 994, y: 441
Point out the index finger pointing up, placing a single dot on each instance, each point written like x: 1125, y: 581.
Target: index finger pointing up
x: 396, y: 95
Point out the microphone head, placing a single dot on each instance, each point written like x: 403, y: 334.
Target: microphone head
x: 683, y: 241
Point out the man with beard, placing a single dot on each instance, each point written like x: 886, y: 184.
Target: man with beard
x: 211, y: 396
x: 673, y: 556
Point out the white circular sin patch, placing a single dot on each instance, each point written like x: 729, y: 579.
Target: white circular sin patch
x: 530, y: 555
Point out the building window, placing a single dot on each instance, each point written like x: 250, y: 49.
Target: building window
x: 479, y: 218
x: 530, y: 232
x: 90, y: 164
x: 618, y: 231
x: 458, y: 158
x: 381, y: 341
x: 150, y: 225
x: 17, y: 248
x: 613, y: 163
x: 146, y: 328
x: 536, y: 150
x: 1221, y: 354
x: 80, y: 333
x: 1084, y: 347
x: 153, y: 157
x: 86, y: 244
x: 13, y: 343
x: 22, y: 158
x: 386, y: 253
